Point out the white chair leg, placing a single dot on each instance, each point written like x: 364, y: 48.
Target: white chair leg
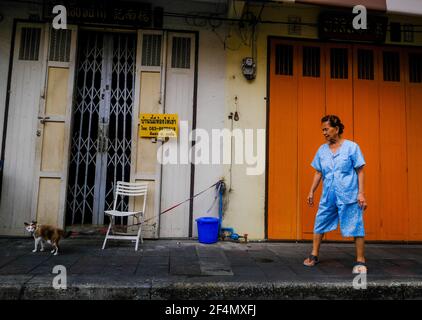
x: 137, y: 239
x: 108, y: 231
x: 140, y: 233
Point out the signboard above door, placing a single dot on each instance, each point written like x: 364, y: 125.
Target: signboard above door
x: 137, y: 14
x: 338, y: 25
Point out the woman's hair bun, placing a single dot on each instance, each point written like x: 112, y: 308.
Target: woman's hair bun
x: 334, y: 122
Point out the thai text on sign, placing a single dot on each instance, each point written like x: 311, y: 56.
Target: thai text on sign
x: 155, y: 125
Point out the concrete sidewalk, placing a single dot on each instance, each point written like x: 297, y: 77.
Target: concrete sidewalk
x: 183, y: 269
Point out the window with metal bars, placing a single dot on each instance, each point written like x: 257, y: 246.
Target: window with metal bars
x: 311, y: 62
x: 339, y: 63
x: 284, y: 59
x: 295, y: 27
x: 415, y: 67
x: 365, y: 64
x: 391, y: 66
x: 181, y: 51
x: 408, y: 33
x: 151, y: 50
x: 30, y: 44
x: 60, y: 41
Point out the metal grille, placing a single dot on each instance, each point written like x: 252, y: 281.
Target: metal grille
x: 180, y: 54
x: 30, y: 44
x: 151, y: 50
x: 415, y: 67
x: 339, y: 63
x: 391, y: 66
x: 105, y: 83
x: 311, y: 62
x: 365, y: 64
x: 284, y: 59
x: 120, y: 116
x: 85, y: 130
x: 60, y: 45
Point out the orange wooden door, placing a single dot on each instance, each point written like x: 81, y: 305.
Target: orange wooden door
x: 339, y: 94
x: 282, y: 169
x: 366, y: 113
x: 413, y: 80
x: 393, y: 158
x: 311, y: 108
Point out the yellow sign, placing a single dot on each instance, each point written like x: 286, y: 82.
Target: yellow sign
x: 157, y: 125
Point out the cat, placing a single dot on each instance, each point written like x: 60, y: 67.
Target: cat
x: 46, y: 233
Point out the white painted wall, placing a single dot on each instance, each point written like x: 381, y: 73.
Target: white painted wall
x: 219, y: 81
x: 211, y: 114
x: 211, y: 109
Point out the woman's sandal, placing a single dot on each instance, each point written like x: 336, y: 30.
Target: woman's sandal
x: 313, y: 260
x: 358, y: 266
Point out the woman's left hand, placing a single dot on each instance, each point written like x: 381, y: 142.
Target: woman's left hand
x: 362, y: 201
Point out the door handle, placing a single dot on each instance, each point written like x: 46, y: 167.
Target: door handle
x: 43, y: 119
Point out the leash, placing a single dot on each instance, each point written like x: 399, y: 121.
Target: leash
x: 217, y: 194
x: 180, y: 203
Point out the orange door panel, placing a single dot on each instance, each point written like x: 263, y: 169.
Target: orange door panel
x: 339, y: 94
x: 339, y: 85
x: 282, y: 174
x: 366, y: 79
x: 393, y: 170
x: 311, y: 108
x: 413, y: 82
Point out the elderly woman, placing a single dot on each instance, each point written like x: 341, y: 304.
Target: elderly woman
x: 339, y: 163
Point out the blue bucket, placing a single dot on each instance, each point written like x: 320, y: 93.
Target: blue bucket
x: 208, y: 229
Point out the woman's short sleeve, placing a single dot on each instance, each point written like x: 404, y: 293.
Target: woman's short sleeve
x: 357, y: 158
x: 316, y: 163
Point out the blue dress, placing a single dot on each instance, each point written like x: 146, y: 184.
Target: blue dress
x: 340, y: 190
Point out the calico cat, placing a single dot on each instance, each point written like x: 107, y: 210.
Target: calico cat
x: 46, y: 233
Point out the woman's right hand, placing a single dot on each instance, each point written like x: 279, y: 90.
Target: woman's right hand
x: 310, y: 199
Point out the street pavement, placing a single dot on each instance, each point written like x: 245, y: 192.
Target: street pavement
x: 187, y: 269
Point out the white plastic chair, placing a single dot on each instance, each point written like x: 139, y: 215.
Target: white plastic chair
x: 128, y: 189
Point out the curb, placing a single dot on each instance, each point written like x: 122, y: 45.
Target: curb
x: 163, y: 290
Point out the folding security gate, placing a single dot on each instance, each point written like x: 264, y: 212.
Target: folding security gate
x: 102, y: 124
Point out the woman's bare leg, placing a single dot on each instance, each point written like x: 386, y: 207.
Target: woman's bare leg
x: 360, y: 249
x: 360, y: 255
x: 315, y: 249
x: 317, y: 244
